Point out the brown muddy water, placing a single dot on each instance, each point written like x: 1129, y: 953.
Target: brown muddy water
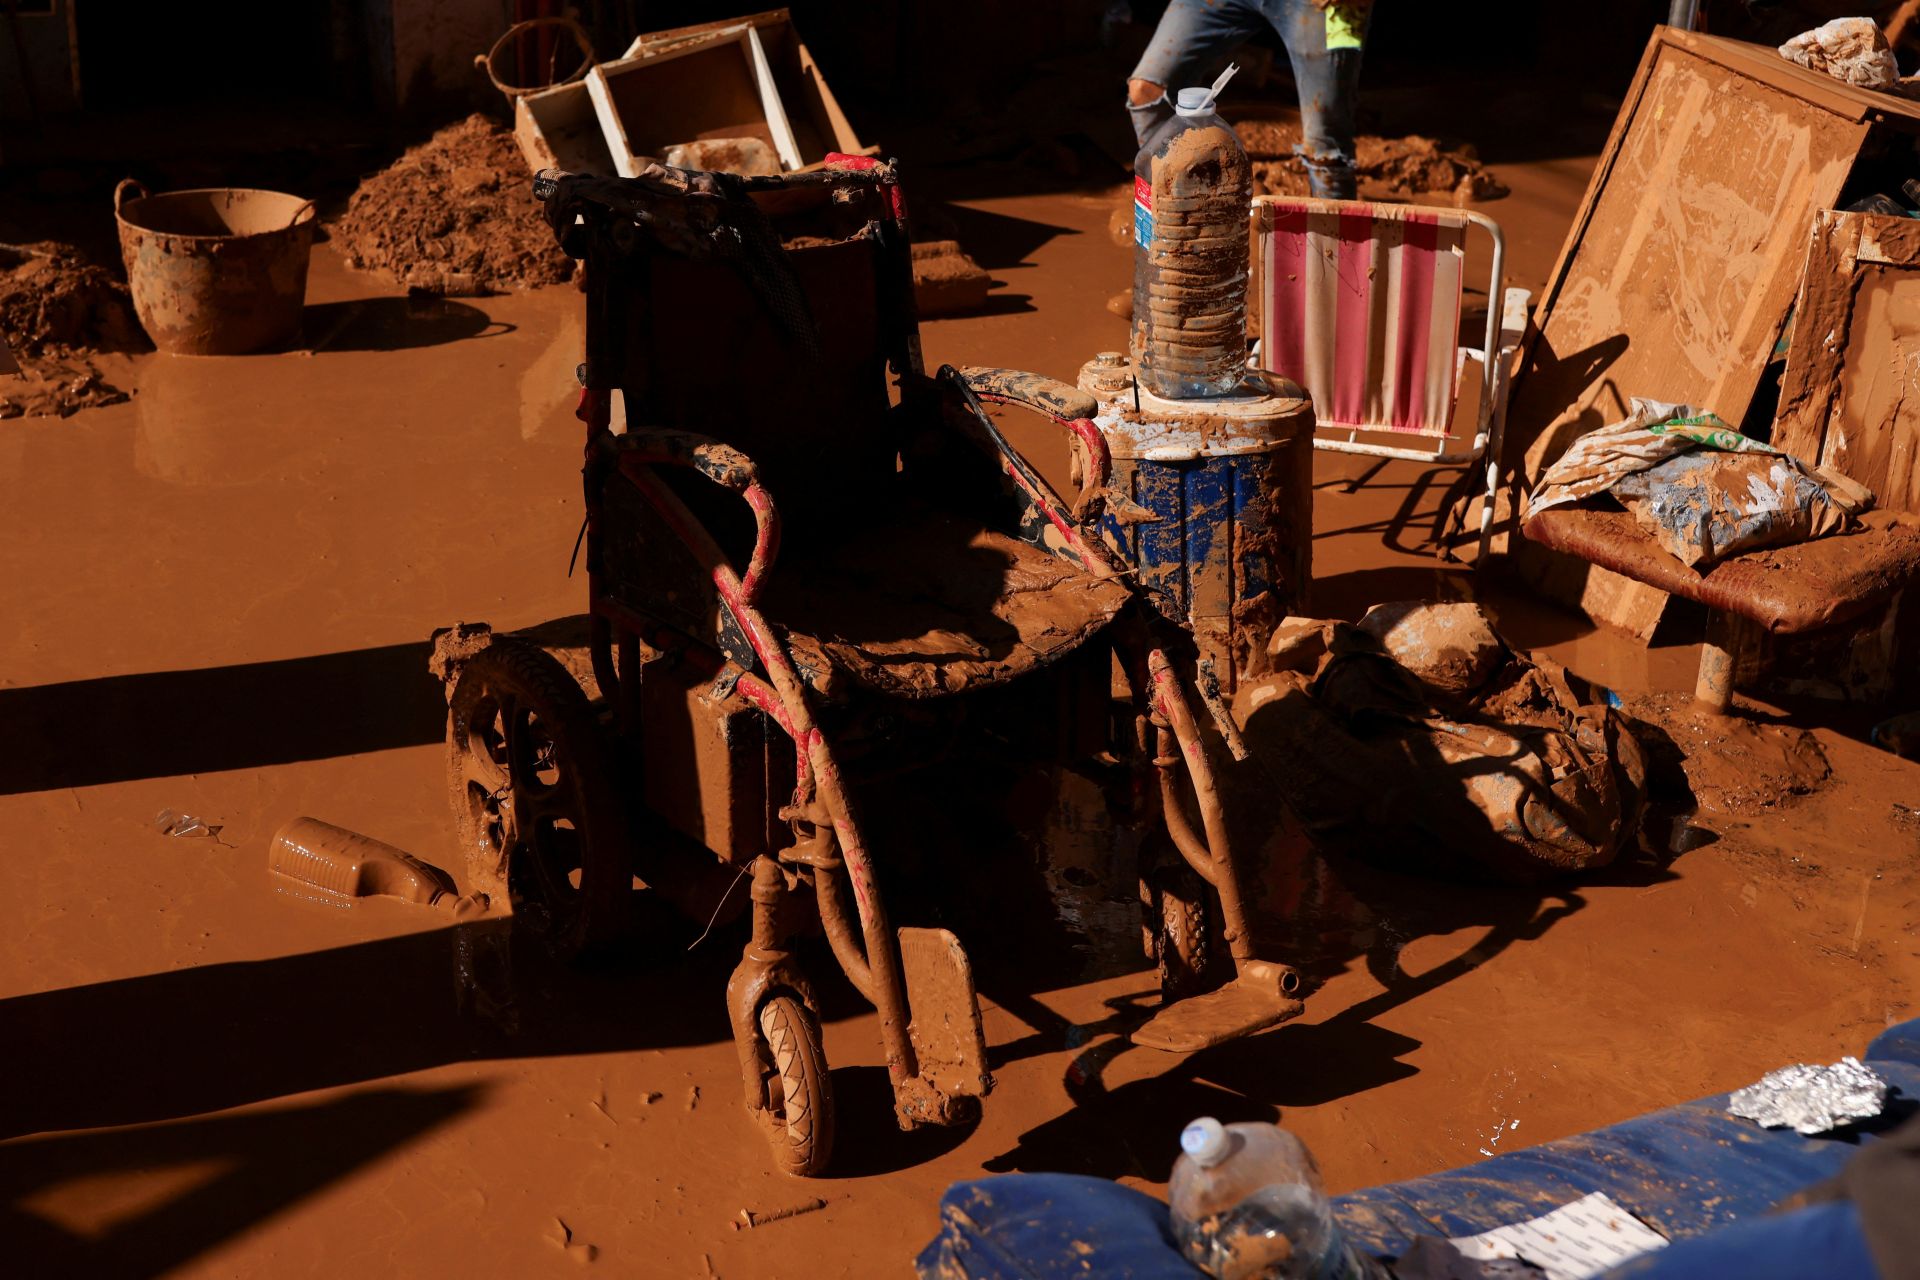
x: 218, y: 602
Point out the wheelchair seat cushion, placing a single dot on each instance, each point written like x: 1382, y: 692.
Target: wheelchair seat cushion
x: 923, y: 604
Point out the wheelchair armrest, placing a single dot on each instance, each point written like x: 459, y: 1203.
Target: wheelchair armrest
x: 1041, y: 394
x: 1068, y: 406
x: 723, y: 464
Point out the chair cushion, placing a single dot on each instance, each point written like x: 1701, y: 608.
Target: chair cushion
x: 922, y: 603
x: 1789, y: 589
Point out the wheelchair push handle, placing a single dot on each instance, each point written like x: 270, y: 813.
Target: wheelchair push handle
x: 725, y: 466
x: 1067, y: 405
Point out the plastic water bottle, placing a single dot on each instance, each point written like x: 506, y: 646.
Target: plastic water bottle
x: 1192, y: 187
x: 1248, y: 1204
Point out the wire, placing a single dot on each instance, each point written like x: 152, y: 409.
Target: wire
x: 740, y: 875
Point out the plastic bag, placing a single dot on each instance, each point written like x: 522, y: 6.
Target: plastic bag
x: 1703, y: 490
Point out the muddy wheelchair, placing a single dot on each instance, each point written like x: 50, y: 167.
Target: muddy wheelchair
x: 806, y: 576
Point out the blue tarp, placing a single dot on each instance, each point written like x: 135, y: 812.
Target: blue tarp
x: 1687, y: 1171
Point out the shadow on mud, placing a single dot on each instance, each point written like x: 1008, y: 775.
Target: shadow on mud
x: 250, y: 1168
x: 156, y: 724
x: 208, y: 1037
x: 393, y: 324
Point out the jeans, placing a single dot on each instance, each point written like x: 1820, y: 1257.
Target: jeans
x: 1190, y: 48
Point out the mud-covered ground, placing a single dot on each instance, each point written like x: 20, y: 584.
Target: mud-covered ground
x: 219, y: 599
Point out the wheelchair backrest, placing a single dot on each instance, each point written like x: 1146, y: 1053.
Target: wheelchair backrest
x: 762, y: 312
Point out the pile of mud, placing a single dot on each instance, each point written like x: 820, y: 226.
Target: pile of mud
x: 460, y: 202
x: 56, y: 309
x: 1389, y: 168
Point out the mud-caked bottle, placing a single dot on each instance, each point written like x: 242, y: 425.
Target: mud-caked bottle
x: 1248, y: 1204
x: 1191, y: 190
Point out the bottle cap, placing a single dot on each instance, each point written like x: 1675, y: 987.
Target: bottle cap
x: 1199, y: 102
x: 1205, y: 1140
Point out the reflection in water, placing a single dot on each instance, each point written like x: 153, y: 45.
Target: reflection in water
x: 549, y: 389
x: 483, y: 972
x: 203, y: 420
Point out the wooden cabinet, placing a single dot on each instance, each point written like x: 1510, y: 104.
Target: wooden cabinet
x: 1681, y: 267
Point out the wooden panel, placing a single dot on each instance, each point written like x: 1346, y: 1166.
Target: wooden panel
x: 1679, y: 281
x: 1680, y: 266
x: 1848, y: 398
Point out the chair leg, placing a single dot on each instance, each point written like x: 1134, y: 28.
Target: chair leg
x: 1486, y: 507
x: 1713, y: 690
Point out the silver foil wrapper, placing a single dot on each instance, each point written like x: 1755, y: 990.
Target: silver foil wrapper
x: 1810, y: 1099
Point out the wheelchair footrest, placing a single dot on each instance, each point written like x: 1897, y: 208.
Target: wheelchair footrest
x: 1252, y: 1002
x: 945, y: 1011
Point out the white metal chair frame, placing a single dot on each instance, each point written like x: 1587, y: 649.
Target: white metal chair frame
x: 1495, y: 357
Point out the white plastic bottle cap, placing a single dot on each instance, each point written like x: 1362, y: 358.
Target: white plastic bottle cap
x: 1193, y: 102
x: 1199, y: 102
x: 1205, y: 1140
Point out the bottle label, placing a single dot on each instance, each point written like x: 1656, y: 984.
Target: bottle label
x: 1142, y: 211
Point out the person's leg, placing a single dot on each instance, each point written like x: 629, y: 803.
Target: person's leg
x: 1323, y: 44
x: 1188, y: 48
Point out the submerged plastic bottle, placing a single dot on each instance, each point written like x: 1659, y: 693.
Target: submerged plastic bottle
x: 1191, y: 190
x: 1248, y: 1203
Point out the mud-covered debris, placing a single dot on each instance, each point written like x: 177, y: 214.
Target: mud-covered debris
x: 52, y: 299
x: 1900, y: 735
x: 1451, y: 647
x: 751, y: 1218
x: 56, y: 310
x: 577, y: 1250
x: 946, y: 281
x: 1387, y: 167
x: 1528, y: 776
x: 168, y: 822
x: 751, y: 157
x: 1853, y: 50
x: 1298, y: 644
x: 1734, y: 765
x: 318, y: 862
x: 458, y: 203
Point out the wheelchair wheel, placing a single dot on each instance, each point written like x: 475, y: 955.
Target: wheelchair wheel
x: 533, y: 798
x: 1181, y: 921
x: 799, y: 1094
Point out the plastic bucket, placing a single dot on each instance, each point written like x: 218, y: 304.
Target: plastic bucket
x: 218, y: 271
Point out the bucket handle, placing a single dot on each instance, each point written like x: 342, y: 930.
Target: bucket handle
x: 580, y: 37
x: 120, y: 193
x: 295, y: 219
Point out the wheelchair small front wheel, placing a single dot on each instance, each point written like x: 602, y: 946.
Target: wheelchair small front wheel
x: 799, y: 1111
x: 1181, y: 921
x: 533, y: 798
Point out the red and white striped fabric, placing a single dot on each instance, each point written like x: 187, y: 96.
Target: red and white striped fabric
x: 1360, y: 304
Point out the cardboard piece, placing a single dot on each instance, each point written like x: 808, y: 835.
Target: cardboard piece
x: 558, y: 128
x: 813, y: 113
x: 1676, y: 276
x: 718, y: 88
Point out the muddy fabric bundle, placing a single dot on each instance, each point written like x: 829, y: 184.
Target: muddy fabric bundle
x: 1703, y: 490
x: 1522, y: 775
x: 1854, y: 50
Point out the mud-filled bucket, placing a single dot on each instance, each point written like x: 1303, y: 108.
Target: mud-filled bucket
x: 215, y: 272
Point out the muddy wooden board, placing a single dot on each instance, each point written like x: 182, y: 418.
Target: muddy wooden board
x: 1845, y: 400
x: 1677, y: 275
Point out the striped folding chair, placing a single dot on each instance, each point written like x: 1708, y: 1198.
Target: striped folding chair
x: 1360, y: 304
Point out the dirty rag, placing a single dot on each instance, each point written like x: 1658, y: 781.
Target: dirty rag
x: 1525, y: 776
x: 1854, y: 50
x: 1700, y: 488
